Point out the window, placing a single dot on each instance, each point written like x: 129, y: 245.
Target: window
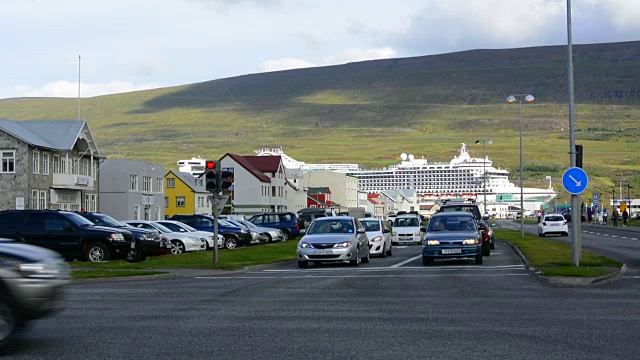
x: 133, y: 184
x: 36, y: 162
x: 56, y: 164
x: 166, y: 202
x: 159, y: 185
x: 136, y: 212
x: 43, y: 199
x: 45, y: 164
x: 171, y: 183
x: 146, y: 184
x: 8, y: 161
x: 63, y: 165
x: 180, y: 201
x: 84, y: 167
x: 55, y: 222
x: 34, y: 199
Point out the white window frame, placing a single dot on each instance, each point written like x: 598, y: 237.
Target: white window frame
x: 160, y: 185
x: 136, y: 212
x: 133, y: 183
x: 9, y: 161
x: 171, y: 183
x: 36, y: 162
x: 84, y: 167
x: 147, y: 184
x: 42, y: 201
x: 56, y: 164
x: 158, y: 213
x: 45, y: 164
x: 34, y: 199
x: 183, y: 202
x: 166, y: 201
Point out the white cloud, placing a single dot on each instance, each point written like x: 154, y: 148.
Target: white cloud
x: 70, y: 89
x: 349, y: 55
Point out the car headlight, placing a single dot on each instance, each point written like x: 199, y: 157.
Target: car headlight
x: 305, y: 245
x: 490, y: 232
x: 431, y: 242
x: 470, y: 242
x: 117, y: 237
x: 245, y: 231
x: 254, y: 234
x: 343, y: 244
x: 376, y: 239
x: 194, y: 239
x: 211, y: 237
x: 44, y: 270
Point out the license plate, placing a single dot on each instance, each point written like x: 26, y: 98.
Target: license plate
x: 406, y: 239
x: 133, y: 245
x: 323, y: 252
x: 554, y: 224
x: 451, y: 251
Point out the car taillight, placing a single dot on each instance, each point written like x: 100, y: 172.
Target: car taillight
x: 297, y: 226
x: 544, y: 223
x: 565, y: 222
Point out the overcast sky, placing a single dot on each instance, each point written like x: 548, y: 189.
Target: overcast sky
x: 141, y: 44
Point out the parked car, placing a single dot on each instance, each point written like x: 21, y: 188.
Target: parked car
x: 285, y: 221
x: 148, y: 242
x: 233, y: 235
x: 257, y: 237
x: 452, y: 235
x: 31, y: 283
x: 181, y: 242
x: 271, y: 233
x: 334, y: 239
x: 177, y: 226
x: 553, y: 224
x: 407, y: 229
x: 379, y: 236
x: 71, y: 235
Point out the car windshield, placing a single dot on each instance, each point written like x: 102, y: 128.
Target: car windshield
x: 226, y: 223
x: 451, y: 223
x: 162, y: 228
x: 371, y: 225
x: 406, y: 222
x: 78, y: 220
x: 554, y: 218
x: 105, y: 220
x: 172, y: 226
x: 247, y: 223
x: 472, y: 209
x: 331, y: 227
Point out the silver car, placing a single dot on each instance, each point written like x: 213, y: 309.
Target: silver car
x: 177, y: 226
x: 271, y: 233
x: 334, y: 239
x: 379, y: 236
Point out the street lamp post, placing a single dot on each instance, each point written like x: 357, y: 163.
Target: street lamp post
x: 511, y: 99
x: 484, y: 170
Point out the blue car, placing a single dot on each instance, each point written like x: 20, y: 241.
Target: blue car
x: 452, y: 235
x: 233, y: 235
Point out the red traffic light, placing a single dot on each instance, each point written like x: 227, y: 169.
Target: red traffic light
x: 211, y: 165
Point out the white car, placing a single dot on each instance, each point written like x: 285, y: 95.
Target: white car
x: 553, y: 224
x: 379, y: 236
x: 182, y: 242
x: 181, y: 227
x: 406, y: 229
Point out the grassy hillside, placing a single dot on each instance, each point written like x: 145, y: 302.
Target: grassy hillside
x: 370, y: 112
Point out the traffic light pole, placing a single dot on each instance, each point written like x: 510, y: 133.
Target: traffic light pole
x: 215, y: 228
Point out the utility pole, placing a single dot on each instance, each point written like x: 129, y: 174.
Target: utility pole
x: 576, y: 219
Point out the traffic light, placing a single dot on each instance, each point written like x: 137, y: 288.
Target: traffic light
x: 211, y: 170
x: 579, y: 156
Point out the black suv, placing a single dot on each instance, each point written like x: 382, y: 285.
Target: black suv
x: 31, y: 282
x: 148, y: 242
x: 67, y: 233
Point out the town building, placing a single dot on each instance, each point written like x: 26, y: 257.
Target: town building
x: 185, y: 195
x: 48, y: 164
x: 344, y: 188
x: 132, y: 190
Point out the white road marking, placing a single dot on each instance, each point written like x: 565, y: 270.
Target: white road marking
x: 436, y: 268
x: 354, y: 276
x: 406, y: 261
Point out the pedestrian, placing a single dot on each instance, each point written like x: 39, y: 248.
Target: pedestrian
x: 605, y: 216
x: 539, y: 216
x: 615, y: 217
x: 589, y: 215
x: 625, y: 217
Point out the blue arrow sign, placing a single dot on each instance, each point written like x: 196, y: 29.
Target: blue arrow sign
x: 575, y: 180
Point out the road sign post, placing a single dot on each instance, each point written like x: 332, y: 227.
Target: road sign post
x: 575, y: 181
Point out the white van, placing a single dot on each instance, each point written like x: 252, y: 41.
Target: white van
x: 406, y: 229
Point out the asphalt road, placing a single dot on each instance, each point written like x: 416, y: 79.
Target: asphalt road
x: 392, y: 308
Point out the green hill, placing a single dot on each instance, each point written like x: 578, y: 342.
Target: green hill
x: 369, y: 112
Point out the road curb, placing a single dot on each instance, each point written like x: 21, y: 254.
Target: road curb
x: 571, y: 281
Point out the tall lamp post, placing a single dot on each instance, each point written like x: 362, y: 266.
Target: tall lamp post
x: 484, y: 170
x: 511, y: 99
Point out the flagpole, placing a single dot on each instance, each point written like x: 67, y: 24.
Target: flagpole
x: 78, y: 87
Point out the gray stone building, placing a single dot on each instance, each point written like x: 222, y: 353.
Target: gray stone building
x: 48, y: 164
x: 132, y: 190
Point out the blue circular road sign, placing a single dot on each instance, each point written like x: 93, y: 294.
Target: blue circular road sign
x: 575, y: 180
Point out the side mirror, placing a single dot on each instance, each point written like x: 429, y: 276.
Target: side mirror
x: 423, y: 229
x: 303, y: 231
x: 361, y: 231
x: 386, y: 231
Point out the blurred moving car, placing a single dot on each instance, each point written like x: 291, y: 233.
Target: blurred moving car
x: 148, y: 242
x: 31, y: 281
x: 182, y: 242
x: 379, y: 236
x: 334, y: 239
x: 177, y: 226
x: 553, y: 224
x: 452, y: 235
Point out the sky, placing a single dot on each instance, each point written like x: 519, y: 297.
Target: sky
x: 128, y: 45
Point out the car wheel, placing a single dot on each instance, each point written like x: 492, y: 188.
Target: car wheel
x: 177, y: 247
x: 135, y: 255
x: 493, y: 245
x: 383, y: 253
x: 269, y: 239
x: 427, y: 260
x: 303, y: 264
x: 96, y: 252
x: 8, y: 323
x: 356, y: 261
x: 230, y: 242
x: 542, y: 234
x: 566, y: 234
x: 287, y: 235
x: 479, y: 259
x: 486, y: 249
x: 366, y: 258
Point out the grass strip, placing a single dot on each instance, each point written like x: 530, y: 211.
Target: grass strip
x: 103, y: 273
x: 227, y: 259
x: 554, y: 258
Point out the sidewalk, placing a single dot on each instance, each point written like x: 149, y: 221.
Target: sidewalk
x: 609, y: 225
